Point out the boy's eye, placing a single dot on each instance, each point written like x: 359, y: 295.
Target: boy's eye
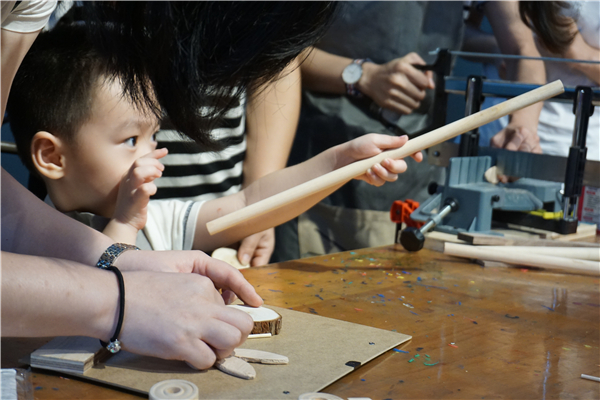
x: 153, y: 138
x: 131, y: 141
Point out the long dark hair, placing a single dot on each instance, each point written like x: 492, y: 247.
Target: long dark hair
x: 193, y: 54
x: 546, y: 19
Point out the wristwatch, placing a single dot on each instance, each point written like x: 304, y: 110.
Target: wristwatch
x: 352, y: 74
x: 112, y: 253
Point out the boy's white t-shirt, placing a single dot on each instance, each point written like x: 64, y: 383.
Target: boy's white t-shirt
x: 171, y: 224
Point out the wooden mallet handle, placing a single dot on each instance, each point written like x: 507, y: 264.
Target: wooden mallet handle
x: 344, y: 174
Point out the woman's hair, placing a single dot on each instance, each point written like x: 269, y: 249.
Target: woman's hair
x: 199, y: 56
x: 547, y: 20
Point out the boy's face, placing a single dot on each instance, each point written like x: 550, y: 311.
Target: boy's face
x: 104, y: 149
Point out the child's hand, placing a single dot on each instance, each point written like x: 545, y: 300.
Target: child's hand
x: 256, y: 249
x: 372, y: 144
x: 136, y: 188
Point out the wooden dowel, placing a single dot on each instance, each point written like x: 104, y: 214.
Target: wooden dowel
x: 530, y: 260
x: 344, y: 174
x: 585, y: 253
x: 590, y: 377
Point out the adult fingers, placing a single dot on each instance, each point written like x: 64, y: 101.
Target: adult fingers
x: 227, y: 277
x: 200, y: 356
x: 223, y: 337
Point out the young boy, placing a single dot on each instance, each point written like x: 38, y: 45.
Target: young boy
x: 96, y: 152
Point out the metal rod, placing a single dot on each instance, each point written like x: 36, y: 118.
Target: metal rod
x: 512, y: 56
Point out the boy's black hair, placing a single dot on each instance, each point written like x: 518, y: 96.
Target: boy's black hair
x: 195, y: 52
x: 54, y: 87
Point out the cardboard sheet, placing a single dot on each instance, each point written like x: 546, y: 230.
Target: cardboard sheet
x: 318, y: 348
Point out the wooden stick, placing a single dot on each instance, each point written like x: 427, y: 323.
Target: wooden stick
x: 591, y: 378
x: 580, y: 253
x: 513, y: 240
x: 340, y: 176
x: 532, y: 260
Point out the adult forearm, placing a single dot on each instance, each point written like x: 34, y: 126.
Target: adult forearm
x: 322, y: 72
x: 580, y: 50
x: 51, y: 297
x: 272, y: 119
x: 31, y: 227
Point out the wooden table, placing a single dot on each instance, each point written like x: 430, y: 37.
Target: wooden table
x: 477, y: 332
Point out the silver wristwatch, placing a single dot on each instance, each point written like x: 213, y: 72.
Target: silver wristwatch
x: 112, y: 253
x: 352, y: 74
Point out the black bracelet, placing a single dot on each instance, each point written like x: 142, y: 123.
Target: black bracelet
x: 114, y: 345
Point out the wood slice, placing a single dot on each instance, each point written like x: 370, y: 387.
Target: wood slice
x: 265, y: 319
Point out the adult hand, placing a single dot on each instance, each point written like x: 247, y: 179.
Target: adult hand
x: 396, y: 85
x: 223, y: 275
x: 256, y: 249
x: 180, y: 317
x: 517, y: 138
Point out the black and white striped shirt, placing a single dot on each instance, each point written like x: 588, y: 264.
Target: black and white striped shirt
x: 192, y: 174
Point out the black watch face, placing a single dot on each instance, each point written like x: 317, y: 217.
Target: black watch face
x: 352, y: 74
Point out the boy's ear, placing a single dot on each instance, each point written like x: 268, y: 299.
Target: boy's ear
x: 47, y: 155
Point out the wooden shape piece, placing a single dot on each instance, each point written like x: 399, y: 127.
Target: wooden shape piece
x: 265, y: 319
x: 491, y: 175
x: 236, y: 367
x: 68, y: 354
x: 229, y: 256
x: 259, y: 356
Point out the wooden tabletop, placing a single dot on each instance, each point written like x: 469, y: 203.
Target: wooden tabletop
x: 477, y: 332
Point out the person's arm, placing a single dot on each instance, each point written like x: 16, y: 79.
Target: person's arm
x: 329, y: 160
x: 14, y: 47
x: 580, y: 50
x: 50, y: 297
x: 134, y: 194
x: 514, y: 37
x: 396, y: 85
x: 271, y: 120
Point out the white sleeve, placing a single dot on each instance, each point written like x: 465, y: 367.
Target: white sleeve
x: 171, y: 224
x: 28, y: 16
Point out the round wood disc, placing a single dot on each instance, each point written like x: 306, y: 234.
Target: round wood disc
x: 174, y: 389
x: 265, y: 319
